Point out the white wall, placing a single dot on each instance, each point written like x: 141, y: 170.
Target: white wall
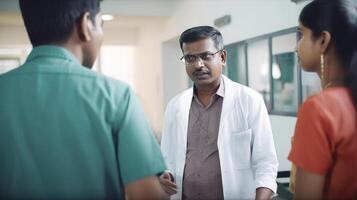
x: 12, y: 35
x: 120, y: 36
x: 14, y: 42
x: 250, y: 18
x: 138, y: 7
x: 148, y: 72
x: 174, y: 74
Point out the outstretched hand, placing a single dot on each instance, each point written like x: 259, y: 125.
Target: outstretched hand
x: 167, y: 184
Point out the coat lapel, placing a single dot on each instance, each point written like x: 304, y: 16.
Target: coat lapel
x: 183, y: 116
x: 227, y: 106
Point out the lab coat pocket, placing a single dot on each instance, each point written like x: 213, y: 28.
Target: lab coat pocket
x: 241, y: 149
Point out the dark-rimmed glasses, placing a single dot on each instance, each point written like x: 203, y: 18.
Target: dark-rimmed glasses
x: 190, y: 59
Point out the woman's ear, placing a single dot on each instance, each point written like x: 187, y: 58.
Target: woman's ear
x: 85, y: 26
x: 325, y: 40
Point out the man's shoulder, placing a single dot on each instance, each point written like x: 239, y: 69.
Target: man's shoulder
x: 112, y: 85
x: 80, y: 77
x: 182, y: 96
x: 240, y: 91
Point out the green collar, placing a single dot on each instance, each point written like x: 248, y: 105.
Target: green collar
x: 51, y: 51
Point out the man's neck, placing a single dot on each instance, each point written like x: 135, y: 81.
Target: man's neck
x: 205, y: 93
x: 74, y: 49
x: 207, y: 90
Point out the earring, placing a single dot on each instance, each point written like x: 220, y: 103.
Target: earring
x: 322, y: 68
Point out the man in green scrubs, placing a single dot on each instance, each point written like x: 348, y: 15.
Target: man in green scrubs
x: 67, y: 132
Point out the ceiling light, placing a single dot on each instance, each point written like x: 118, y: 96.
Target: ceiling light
x: 107, y: 17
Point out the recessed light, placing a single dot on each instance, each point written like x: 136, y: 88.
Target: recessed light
x: 106, y: 17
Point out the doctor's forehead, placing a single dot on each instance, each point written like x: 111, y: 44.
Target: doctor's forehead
x: 199, y: 46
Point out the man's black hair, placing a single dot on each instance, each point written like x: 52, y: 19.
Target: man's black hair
x: 202, y: 32
x: 49, y: 21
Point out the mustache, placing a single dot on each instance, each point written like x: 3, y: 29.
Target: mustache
x: 200, y: 72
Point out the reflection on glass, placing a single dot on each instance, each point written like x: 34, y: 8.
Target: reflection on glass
x: 258, y: 69
x: 242, y: 70
x: 236, y: 64
x: 232, y: 62
x: 284, y: 72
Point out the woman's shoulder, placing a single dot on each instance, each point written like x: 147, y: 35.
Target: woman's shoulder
x: 333, y: 102
x: 331, y: 96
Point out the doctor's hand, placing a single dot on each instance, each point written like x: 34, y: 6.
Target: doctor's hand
x: 167, y: 183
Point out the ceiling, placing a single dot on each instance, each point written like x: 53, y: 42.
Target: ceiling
x: 128, y: 14
x: 157, y: 8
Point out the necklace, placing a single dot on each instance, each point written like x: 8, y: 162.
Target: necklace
x: 328, y: 85
x: 337, y: 83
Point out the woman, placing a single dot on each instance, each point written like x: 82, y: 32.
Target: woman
x: 325, y: 141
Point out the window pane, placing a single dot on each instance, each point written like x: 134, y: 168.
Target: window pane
x: 236, y: 64
x: 310, y: 84
x: 232, y: 62
x: 258, y: 68
x: 284, y: 72
x: 242, y: 65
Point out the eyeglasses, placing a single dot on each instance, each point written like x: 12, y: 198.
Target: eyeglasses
x: 205, y: 56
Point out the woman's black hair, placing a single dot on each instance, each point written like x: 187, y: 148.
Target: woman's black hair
x: 339, y: 18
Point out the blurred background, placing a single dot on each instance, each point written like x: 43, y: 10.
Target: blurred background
x: 141, y: 48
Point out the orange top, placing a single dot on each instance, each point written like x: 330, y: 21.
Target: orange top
x: 325, y: 141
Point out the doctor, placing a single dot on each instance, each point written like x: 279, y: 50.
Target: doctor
x: 217, y: 140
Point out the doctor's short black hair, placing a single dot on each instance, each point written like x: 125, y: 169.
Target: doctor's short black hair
x: 202, y: 32
x: 49, y: 21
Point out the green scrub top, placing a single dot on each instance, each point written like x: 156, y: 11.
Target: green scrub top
x: 69, y: 132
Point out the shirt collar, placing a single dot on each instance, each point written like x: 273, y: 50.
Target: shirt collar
x: 220, y: 90
x: 51, y: 51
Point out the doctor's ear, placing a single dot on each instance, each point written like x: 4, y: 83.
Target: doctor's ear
x: 224, y: 57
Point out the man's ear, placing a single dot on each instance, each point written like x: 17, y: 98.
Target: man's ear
x: 224, y: 57
x: 85, y: 26
x: 325, y: 40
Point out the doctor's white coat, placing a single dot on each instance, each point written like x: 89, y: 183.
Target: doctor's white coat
x: 245, y: 142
